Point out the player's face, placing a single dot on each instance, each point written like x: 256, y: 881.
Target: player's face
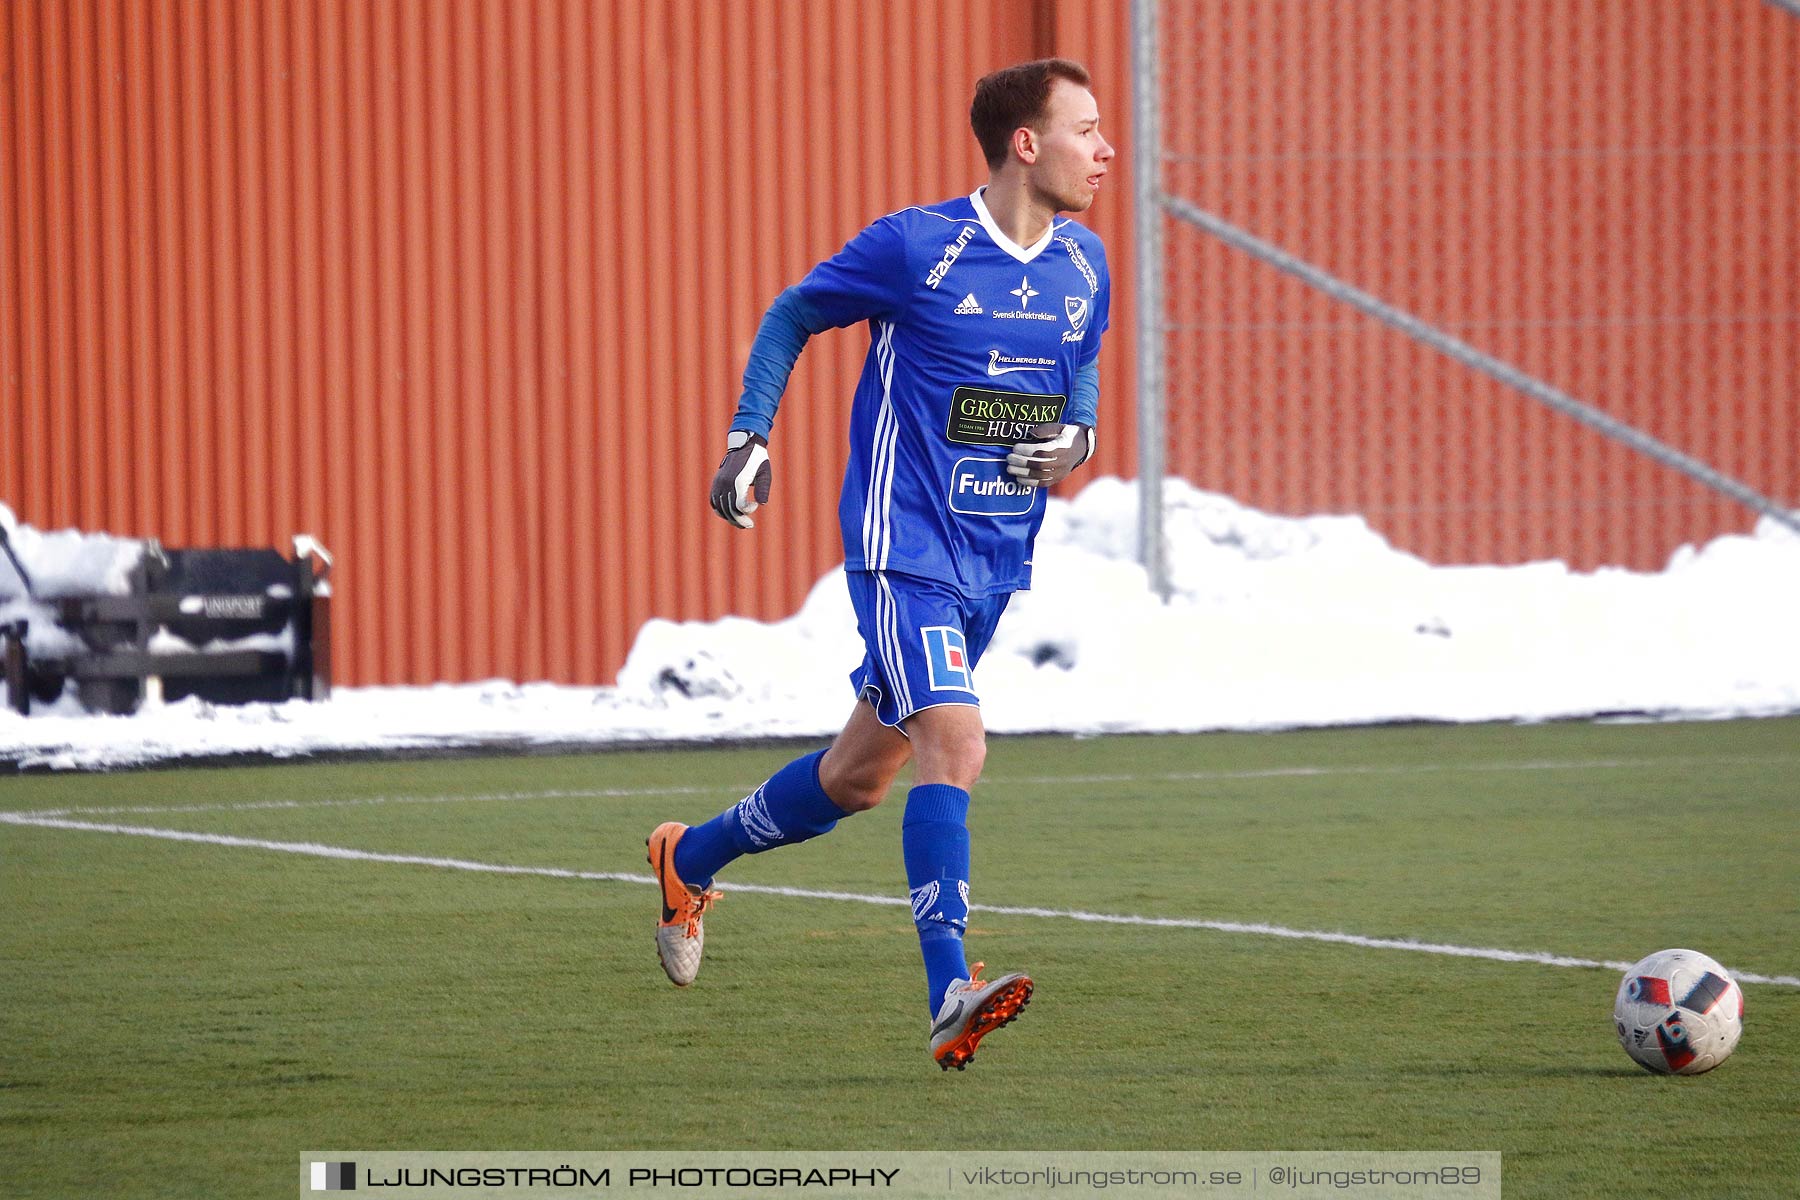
x: 1072, y: 156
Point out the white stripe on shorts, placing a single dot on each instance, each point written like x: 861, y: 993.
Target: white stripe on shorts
x: 887, y: 620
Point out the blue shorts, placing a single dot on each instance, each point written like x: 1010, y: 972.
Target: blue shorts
x: 923, y: 639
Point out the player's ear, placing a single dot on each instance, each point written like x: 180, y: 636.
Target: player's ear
x: 1025, y: 143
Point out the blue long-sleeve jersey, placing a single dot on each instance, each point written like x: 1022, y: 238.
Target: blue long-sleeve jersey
x: 973, y: 340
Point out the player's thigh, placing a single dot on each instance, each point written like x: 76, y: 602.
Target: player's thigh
x: 949, y: 744
x: 860, y: 767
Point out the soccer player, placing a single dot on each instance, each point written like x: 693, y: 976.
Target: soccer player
x: 980, y: 389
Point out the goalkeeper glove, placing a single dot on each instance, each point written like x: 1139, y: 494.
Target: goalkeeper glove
x: 1050, y: 452
x: 742, y: 483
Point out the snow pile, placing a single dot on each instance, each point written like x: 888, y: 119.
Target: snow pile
x: 1279, y: 622
x: 66, y: 563
x: 1275, y: 622
x: 60, y: 564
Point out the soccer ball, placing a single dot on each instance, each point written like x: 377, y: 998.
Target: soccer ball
x: 1678, y: 1013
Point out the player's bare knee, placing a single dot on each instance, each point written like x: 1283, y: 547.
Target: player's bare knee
x: 855, y: 786
x: 971, y: 757
x: 855, y: 795
x: 956, y: 759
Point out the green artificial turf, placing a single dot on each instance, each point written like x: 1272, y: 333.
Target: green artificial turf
x: 182, y: 1018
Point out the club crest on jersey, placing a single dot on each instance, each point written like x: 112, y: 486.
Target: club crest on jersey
x: 947, y: 658
x: 1076, y: 309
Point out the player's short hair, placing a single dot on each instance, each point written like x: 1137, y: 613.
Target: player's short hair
x: 1015, y: 96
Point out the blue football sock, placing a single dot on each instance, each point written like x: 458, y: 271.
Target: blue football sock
x: 934, y: 837
x: 791, y: 807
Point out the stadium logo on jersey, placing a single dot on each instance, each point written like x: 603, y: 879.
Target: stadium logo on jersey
x: 1081, y: 263
x: 1002, y: 364
x: 987, y: 417
x: 952, y: 252
x: 969, y: 305
x: 981, y: 487
x: 1076, y: 309
x: 947, y: 656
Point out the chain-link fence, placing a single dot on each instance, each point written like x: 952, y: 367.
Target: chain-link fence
x: 1514, y: 279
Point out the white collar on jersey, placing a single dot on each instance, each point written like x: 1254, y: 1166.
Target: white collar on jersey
x: 1023, y: 253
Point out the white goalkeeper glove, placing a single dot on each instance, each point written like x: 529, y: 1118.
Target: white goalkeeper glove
x: 742, y: 484
x: 1049, y: 453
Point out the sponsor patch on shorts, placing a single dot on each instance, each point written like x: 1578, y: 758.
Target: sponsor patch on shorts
x: 947, y: 659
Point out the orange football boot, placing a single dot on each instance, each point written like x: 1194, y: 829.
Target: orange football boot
x: 972, y: 1009
x: 679, y: 934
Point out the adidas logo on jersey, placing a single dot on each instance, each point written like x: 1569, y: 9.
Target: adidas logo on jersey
x: 969, y: 304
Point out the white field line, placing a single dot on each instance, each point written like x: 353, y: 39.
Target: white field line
x: 358, y: 801
x: 1297, y: 772
x: 1584, y: 764
x: 317, y: 850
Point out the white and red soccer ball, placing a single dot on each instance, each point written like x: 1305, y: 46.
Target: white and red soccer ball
x: 1678, y: 1013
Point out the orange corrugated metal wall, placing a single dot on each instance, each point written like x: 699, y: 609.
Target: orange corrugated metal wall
x: 464, y: 287
x: 1605, y: 193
